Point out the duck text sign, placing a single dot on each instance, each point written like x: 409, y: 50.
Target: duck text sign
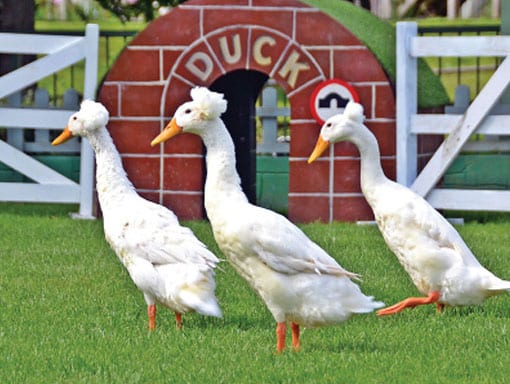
x: 252, y: 48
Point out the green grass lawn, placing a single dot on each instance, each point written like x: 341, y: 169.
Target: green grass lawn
x: 70, y: 314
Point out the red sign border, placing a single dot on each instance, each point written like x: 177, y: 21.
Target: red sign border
x: 325, y: 83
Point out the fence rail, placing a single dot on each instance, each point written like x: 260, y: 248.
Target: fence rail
x: 410, y: 123
x: 112, y: 42
x: 105, y: 37
x: 451, y: 70
x: 55, y: 54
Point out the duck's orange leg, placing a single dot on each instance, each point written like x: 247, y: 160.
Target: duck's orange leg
x: 295, y: 336
x: 410, y: 302
x: 281, y: 330
x: 151, y: 311
x: 178, y: 320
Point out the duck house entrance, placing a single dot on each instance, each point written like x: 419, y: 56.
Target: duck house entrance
x: 234, y: 47
x: 241, y: 89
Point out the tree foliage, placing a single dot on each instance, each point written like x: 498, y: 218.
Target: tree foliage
x: 129, y: 9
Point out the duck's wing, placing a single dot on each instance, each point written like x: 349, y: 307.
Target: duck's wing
x: 410, y: 223
x: 153, y: 233
x: 283, y: 246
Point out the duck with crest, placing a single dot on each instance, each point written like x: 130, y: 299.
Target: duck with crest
x: 165, y: 260
x: 429, y: 248
x: 297, y: 280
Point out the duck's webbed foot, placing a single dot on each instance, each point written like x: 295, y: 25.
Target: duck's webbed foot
x: 411, y: 302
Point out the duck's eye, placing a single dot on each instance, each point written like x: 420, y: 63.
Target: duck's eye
x: 329, y: 125
x: 187, y: 111
x: 75, y: 117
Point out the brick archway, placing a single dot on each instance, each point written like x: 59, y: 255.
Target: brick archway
x: 227, y: 50
x: 201, y: 40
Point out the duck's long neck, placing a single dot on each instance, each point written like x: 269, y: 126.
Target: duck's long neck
x: 111, y: 179
x: 372, y: 174
x: 222, y: 184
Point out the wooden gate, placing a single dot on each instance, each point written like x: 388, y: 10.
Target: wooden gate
x: 57, y: 53
x: 457, y: 128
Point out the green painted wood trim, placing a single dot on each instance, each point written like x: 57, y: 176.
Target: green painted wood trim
x: 479, y: 171
x: 69, y: 166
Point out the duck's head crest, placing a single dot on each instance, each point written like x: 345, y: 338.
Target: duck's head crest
x: 93, y: 115
x: 354, y: 111
x: 209, y: 104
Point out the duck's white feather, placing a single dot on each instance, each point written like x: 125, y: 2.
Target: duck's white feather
x: 153, y: 233
x: 297, y: 280
x: 301, y: 254
x: 426, y: 244
x: 165, y: 260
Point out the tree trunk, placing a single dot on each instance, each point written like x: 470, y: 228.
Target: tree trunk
x: 16, y: 16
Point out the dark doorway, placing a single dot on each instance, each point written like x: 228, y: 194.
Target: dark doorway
x: 241, y: 89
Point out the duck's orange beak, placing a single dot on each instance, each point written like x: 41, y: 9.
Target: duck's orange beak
x: 171, y: 130
x: 63, y: 137
x: 320, y: 147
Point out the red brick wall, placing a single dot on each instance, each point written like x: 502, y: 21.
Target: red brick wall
x: 154, y: 74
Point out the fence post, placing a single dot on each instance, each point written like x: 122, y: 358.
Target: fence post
x: 407, y: 101
x: 87, y: 154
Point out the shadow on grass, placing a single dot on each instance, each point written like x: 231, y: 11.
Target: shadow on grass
x: 346, y: 347
x: 230, y: 321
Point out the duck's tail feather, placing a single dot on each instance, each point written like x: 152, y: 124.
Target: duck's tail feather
x: 499, y: 286
x: 204, y: 303
x: 368, y: 306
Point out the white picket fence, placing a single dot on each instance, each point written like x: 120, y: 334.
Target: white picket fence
x: 478, y: 118
x: 55, y: 53
x: 268, y: 113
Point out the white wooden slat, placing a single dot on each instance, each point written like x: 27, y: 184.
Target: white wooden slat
x: 41, y: 68
x: 444, y: 124
x: 28, y: 44
x: 475, y: 200
x: 87, y: 164
x: 41, y: 136
x: 407, y: 101
x: 460, y: 46
x: 33, y: 169
x: 71, y: 147
x: 91, y: 63
x: 452, y: 145
x: 35, y: 118
x: 264, y: 111
x: 87, y: 167
x: 42, y: 193
x: 62, y: 52
x: 487, y: 146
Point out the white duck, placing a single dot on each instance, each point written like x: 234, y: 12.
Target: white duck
x: 165, y: 260
x: 298, y: 281
x: 431, y: 251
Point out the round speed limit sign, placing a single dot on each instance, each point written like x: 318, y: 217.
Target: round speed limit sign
x: 330, y: 98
